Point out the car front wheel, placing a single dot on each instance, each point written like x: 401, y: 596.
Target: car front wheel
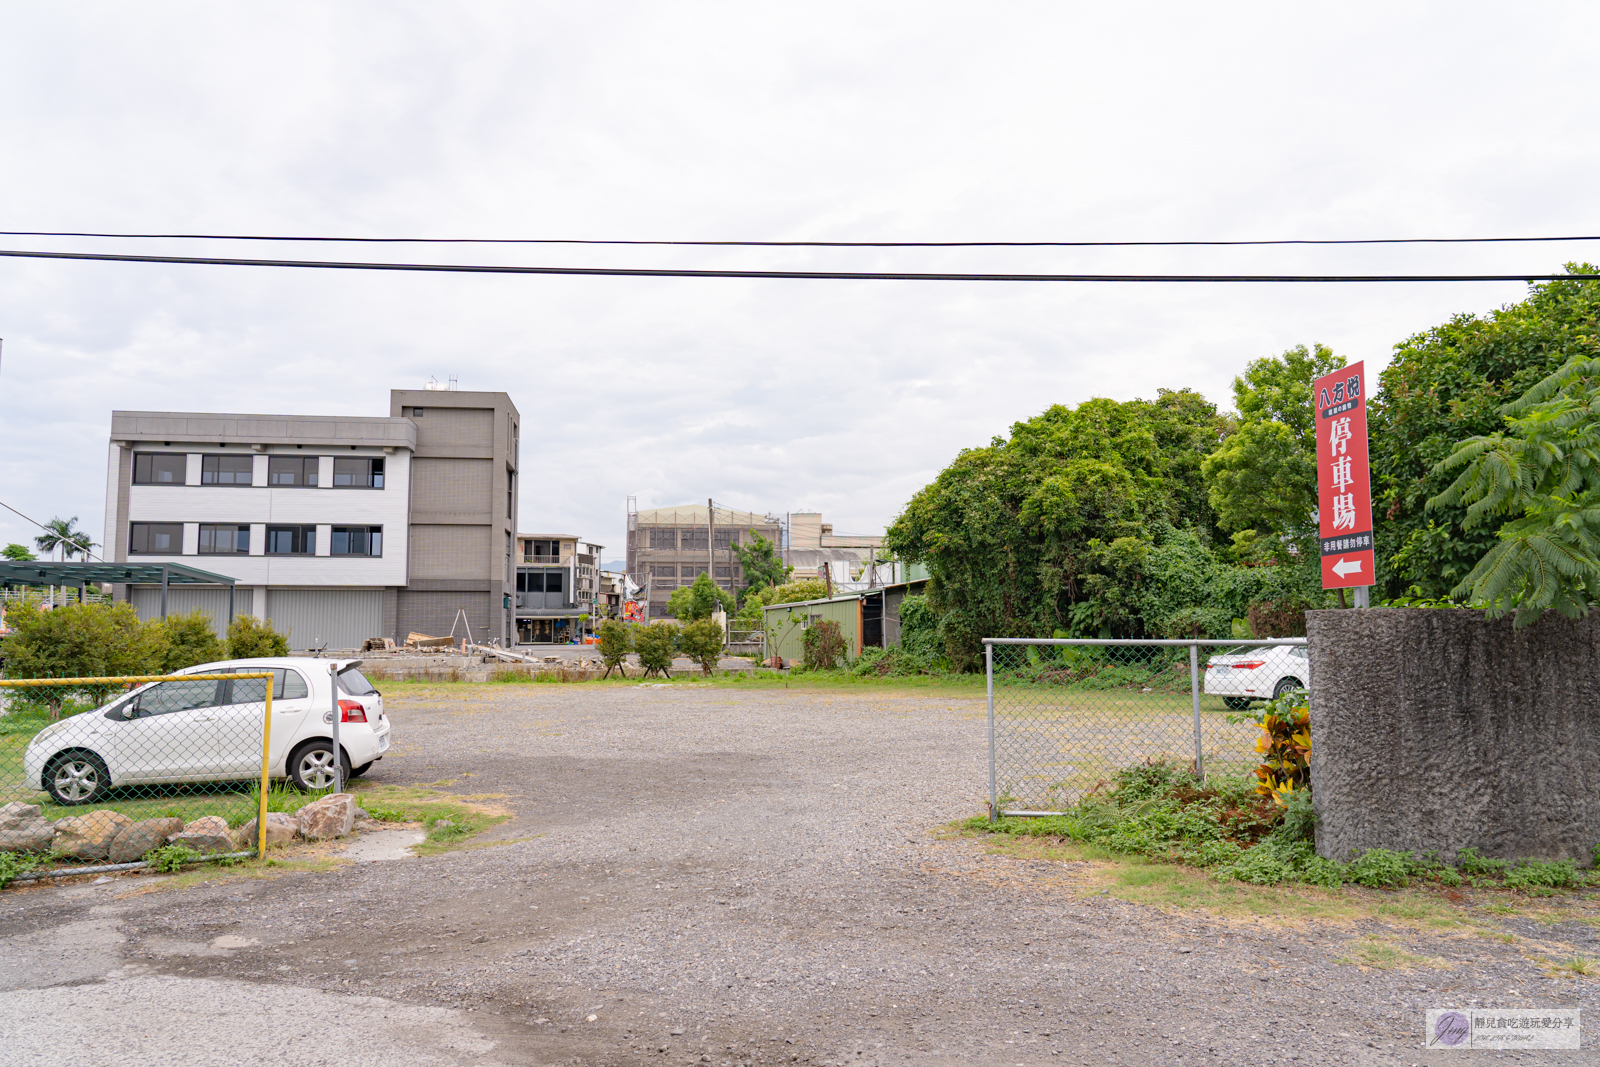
x: 311, y: 768
x: 1285, y: 685
x: 74, y: 778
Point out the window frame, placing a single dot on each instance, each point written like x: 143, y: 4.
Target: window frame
x: 183, y: 467
x: 374, y: 474
x: 308, y: 471
x: 370, y: 532
x: 240, y: 529
x: 305, y: 536
x: 209, y: 466
x: 134, y: 527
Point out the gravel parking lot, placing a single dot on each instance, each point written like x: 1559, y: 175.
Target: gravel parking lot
x: 704, y: 875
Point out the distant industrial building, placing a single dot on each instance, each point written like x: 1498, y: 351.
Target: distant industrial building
x: 672, y: 546
x: 336, y: 528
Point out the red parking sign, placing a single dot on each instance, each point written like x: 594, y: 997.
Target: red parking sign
x: 1344, y: 483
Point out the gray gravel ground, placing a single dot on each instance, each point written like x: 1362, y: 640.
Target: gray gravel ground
x: 701, y: 875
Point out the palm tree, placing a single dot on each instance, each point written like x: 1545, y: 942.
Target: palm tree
x: 60, y: 537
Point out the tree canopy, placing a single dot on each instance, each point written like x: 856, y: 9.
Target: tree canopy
x: 1263, y: 477
x: 1010, y: 532
x: 1448, y: 384
x: 763, y: 567
x: 698, y: 601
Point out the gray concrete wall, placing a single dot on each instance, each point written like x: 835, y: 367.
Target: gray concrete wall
x: 1441, y: 730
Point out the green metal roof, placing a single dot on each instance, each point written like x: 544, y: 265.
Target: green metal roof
x: 47, y: 572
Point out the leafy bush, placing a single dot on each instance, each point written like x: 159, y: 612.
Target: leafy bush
x: 701, y: 641
x: 1284, y: 743
x: 1285, y: 617
x: 79, y: 641
x: 919, y: 629
x: 616, y: 641
x: 251, y: 638
x: 13, y: 865
x: 170, y: 858
x: 823, y: 644
x: 1380, y: 868
x: 656, y: 644
x: 190, y: 640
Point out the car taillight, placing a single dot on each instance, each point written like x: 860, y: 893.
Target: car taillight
x: 351, y: 711
x: 1250, y: 664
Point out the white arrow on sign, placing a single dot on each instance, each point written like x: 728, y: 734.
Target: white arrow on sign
x: 1347, y: 566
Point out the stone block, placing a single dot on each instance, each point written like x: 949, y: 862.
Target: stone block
x: 89, y: 837
x: 135, y: 839
x: 205, y: 842
x: 281, y: 830
x: 1438, y: 730
x: 330, y: 817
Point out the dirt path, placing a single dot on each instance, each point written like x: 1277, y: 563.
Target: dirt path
x: 715, y: 877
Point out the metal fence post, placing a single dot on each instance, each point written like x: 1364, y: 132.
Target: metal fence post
x: 1194, y: 691
x: 988, y: 672
x: 266, y: 772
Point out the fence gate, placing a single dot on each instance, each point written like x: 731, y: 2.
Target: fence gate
x: 1066, y: 714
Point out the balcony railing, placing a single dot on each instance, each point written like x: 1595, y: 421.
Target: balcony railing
x: 530, y: 558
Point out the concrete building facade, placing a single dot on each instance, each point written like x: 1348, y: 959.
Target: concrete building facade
x: 558, y: 583
x: 337, y: 528
x: 669, y: 547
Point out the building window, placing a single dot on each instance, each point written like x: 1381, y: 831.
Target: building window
x: 725, y: 536
x: 670, y: 570
x: 358, y: 473
x: 692, y: 570
x: 291, y: 540
x: 224, y: 540
x: 552, y: 581
x: 358, y: 540
x: 694, y: 538
x: 415, y: 413
x: 663, y: 537
x: 226, y: 470
x: 155, y: 538
x: 292, y: 470
x: 722, y: 572
x: 511, y: 487
x: 538, y: 551
x: 159, y: 468
x: 530, y: 581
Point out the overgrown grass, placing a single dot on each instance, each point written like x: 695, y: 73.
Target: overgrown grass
x: 450, y: 820
x: 760, y: 679
x: 1157, y: 810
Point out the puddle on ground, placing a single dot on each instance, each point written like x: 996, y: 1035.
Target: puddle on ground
x: 383, y: 845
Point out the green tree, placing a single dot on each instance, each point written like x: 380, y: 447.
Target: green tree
x: 1544, y: 469
x: 62, y: 537
x: 701, y: 641
x: 1264, y: 475
x: 17, y: 552
x: 750, y: 611
x: 763, y: 567
x: 616, y: 641
x: 250, y: 638
x: 698, y: 601
x: 1005, y: 530
x: 1447, y: 384
x: 79, y: 641
x: 190, y: 639
x: 656, y: 644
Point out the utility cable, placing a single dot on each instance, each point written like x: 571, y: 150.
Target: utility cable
x: 76, y: 546
x: 799, y: 244
x: 799, y: 275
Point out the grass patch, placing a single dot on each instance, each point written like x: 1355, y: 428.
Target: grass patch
x: 1375, y: 952
x: 1579, y: 966
x: 761, y: 678
x: 450, y: 820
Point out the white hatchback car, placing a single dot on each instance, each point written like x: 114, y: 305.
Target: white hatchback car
x: 1241, y: 675
x: 210, y: 731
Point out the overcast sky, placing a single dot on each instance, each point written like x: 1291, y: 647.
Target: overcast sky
x: 881, y: 121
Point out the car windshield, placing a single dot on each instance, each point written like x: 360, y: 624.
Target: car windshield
x: 355, y: 683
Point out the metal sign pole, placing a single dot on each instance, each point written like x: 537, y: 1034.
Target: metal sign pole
x: 338, y: 757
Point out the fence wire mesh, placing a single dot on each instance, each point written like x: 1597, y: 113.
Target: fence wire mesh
x: 1065, y: 715
x: 105, y: 770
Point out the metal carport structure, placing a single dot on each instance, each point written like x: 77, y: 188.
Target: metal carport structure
x: 80, y: 574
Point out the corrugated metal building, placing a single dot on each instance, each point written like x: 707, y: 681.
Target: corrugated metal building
x: 869, y: 618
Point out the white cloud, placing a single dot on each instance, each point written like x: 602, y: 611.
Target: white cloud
x: 819, y: 121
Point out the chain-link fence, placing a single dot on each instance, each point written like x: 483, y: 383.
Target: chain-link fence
x: 1066, y: 714
x: 106, y: 770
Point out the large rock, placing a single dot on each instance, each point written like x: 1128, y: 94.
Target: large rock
x: 134, y: 840
x: 332, y: 816
x: 206, y: 835
x: 24, y: 829
x: 281, y: 830
x: 89, y: 837
x: 1438, y: 730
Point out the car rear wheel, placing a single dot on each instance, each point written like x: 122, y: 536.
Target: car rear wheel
x: 1236, y: 703
x: 311, y: 766
x: 1285, y: 685
x: 77, y: 778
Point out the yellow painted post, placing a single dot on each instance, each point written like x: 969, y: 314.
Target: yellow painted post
x: 266, y: 772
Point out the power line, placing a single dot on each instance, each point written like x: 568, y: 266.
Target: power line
x: 799, y: 244
x: 796, y: 275
x: 84, y: 548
